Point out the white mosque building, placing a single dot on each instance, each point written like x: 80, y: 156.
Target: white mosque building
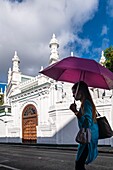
x: 36, y: 109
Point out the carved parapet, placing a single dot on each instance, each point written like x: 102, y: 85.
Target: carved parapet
x: 104, y: 102
x: 34, y: 82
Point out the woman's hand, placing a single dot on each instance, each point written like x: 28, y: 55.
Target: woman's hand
x: 73, y: 108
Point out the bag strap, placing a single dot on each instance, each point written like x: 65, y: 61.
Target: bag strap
x: 97, y: 114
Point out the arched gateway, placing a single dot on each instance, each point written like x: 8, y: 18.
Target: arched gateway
x: 29, y: 123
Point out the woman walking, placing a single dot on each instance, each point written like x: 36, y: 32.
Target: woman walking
x: 86, y: 152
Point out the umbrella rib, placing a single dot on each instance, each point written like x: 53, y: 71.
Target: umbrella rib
x: 61, y: 74
x: 103, y: 76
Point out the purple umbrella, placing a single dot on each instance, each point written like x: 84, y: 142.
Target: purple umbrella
x: 74, y: 69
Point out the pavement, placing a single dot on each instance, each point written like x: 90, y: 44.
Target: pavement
x: 101, y: 148
x: 105, y: 149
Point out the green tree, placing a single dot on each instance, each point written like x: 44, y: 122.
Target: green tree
x: 108, y: 53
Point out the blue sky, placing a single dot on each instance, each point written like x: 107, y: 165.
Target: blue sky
x: 98, y: 31
x: 2, y: 87
x: 26, y: 26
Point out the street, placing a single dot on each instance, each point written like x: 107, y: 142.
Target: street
x: 15, y: 157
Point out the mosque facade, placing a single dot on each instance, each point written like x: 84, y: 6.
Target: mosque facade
x: 36, y: 109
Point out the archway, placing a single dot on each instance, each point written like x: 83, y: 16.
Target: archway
x: 29, y: 123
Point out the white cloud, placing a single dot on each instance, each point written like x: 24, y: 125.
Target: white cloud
x: 104, y: 30
x: 105, y: 43
x: 110, y: 8
x: 28, y: 27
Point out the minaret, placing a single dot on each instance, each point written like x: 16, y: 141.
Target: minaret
x: 102, y: 59
x: 16, y: 62
x: 72, y: 54
x: 15, y: 75
x: 54, y: 56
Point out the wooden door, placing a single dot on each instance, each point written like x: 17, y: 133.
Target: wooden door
x: 29, y: 123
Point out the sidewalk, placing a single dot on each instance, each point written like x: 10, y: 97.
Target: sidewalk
x: 101, y: 149
x: 105, y: 149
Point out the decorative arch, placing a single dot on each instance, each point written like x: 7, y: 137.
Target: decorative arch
x: 29, y: 123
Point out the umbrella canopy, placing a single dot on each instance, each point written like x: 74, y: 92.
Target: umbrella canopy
x: 74, y: 69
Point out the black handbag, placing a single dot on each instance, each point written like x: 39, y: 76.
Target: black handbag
x: 84, y: 134
x: 105, y: 130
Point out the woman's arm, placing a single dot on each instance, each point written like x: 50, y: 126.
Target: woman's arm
x: 87, y: 114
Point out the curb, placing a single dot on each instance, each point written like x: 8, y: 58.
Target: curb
x: 101, y: 148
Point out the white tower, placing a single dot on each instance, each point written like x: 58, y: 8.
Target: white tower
x: 16, y: 62
x: 54, y: 56
x: 72, y: 54
x: 15, y: 76
x: 102, y: 59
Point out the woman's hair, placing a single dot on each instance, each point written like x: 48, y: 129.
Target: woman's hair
x: 82, y: 86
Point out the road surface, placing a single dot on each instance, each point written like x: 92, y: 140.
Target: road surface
x: 15, y: 157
